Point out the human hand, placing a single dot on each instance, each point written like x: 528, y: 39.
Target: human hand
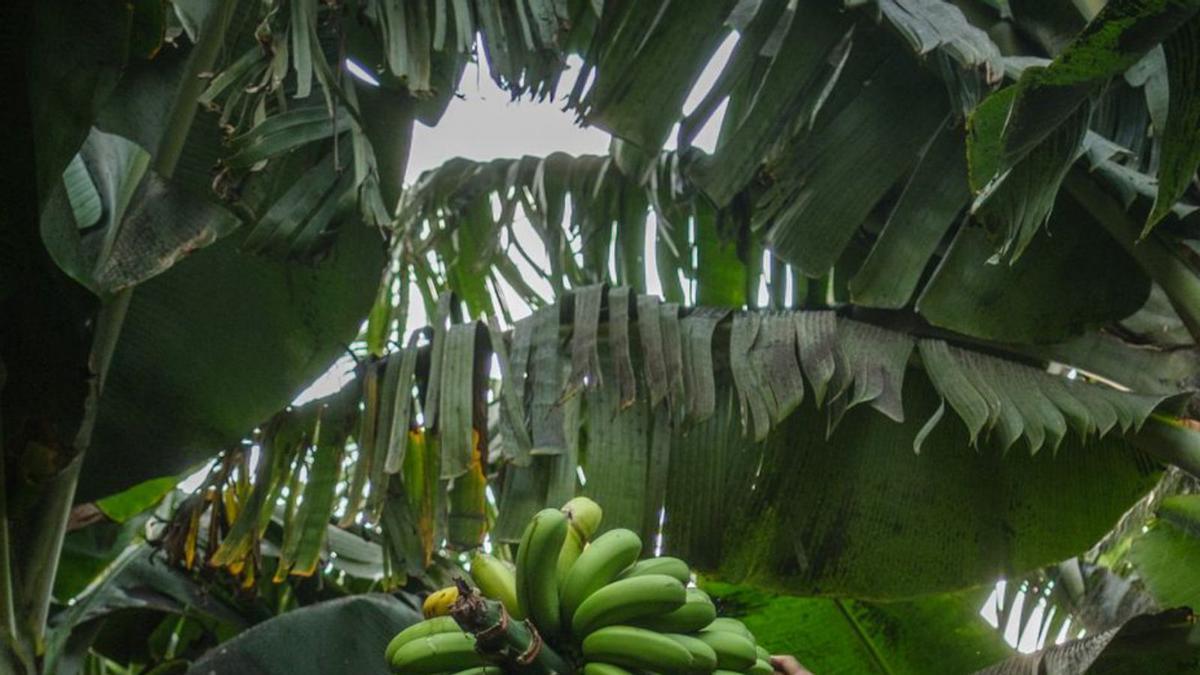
x: 788, y: 665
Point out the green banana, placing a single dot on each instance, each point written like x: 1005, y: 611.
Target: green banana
x: 704, y: 659
x: 584, y: 514
x: 497, y: 581
x: 600, y: 563
x: 482, y: 670
x: 572, y: 548
x: 603, y: 669
x: 437, y: 654
x: 672, y: 567
x: 638, y: 648
x: 584, y: 517
x: 697, y: 612
x: 628, y: 600
x: 732, y: 625
x: 537, y: 559
x: 761, y: 667
x: 726, y: 672
x: 441, y: 624
x: 734, y: 652
x: 763, y: 654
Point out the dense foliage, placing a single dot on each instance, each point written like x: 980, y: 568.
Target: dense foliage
x: 974, y: 224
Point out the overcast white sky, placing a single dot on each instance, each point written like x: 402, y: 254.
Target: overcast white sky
x: 485, y: 124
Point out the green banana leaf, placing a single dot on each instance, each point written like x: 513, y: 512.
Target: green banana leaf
x: 1167, y: 555
x: 137, y: 580
x: 348, y: 635
x: 90, y: 548
x: 218, y: 343
x: 762, y: 476
x: 933, y: 634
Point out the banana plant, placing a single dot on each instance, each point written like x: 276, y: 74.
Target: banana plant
x: 989, y: 301
x: 118, y: 229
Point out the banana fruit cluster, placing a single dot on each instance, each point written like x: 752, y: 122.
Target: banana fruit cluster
x: 591, y: 599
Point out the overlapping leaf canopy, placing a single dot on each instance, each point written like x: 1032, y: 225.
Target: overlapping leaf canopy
x: 809, y: 93
x: 729, y: 434
x: 934, y: 242
x: 958, y: 202
x: 810, y: 90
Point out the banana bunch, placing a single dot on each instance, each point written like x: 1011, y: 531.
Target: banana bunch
x: 592, y: 600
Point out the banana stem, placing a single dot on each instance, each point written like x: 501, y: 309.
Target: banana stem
x: 496, y: 634
x: 1171, y: 441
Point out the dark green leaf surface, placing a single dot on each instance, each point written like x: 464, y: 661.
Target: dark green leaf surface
x: 1015, y: 205
x: 932, y: 200
x: 1181, y: 137
x: 900, y: 525
x: 1112, y: 42
x: 822, y: 195
x: 652, y: 51
x: 138, y: 579
x: 793, y: 78
x: 1071, y: 278
x: 271, y: 326
x: 939, y: 29
x: 81, y: 52
x: 348, y: 635
x: 984, y: 509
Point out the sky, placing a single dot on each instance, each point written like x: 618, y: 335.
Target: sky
x: 485, y: 124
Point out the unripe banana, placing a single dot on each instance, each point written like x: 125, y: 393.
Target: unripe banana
x: 444, y: 652
x: 441, y: 624
x: 603, y: 560
x: 734, y: 652
x: 438, y: 603
x: 497, y: 581
x: 726, y: 672
x: 732, y: 625
x: 704, y: 659
x: 628, y: 600
x: 584, y: 516
x: 537, y: 580
x: 763, y: 654
x: 482, y: 670
x: 637, y: 648
x: 572, y: 548
x: 761, y: 667
x: 697, y: 612
x: 672, y: 567
x: 595, y: 668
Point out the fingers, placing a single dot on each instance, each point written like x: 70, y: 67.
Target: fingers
x: 788, y: 665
